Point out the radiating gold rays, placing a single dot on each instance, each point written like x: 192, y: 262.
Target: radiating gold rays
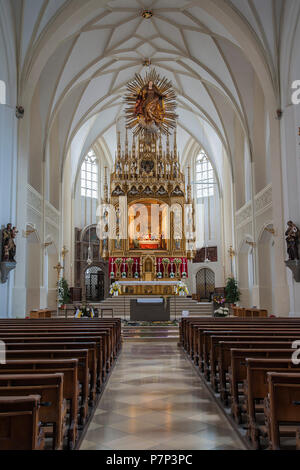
x: 168, y: 117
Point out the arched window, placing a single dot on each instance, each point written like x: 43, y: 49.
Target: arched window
x: 205, y: 180
x: 89, y: 176
x: 2, y: 92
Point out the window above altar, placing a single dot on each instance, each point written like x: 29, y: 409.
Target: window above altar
x: 205, y: 178
x: 89, y: 176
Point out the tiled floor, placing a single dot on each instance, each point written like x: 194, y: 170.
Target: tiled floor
x: 155, y: 400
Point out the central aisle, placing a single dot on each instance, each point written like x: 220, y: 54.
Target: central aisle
x: 155, y: 400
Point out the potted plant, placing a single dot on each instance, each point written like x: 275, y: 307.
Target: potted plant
x: 232, y: 291
x: 63, y: 292
x: 166, y: 262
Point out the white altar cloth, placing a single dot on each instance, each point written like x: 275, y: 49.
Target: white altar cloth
x: 150, y: 301
x: 148, y: 283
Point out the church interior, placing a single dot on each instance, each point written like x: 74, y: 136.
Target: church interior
x: 149, y: 244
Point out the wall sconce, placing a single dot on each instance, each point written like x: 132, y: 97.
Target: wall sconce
x: 27, y: 233
x: 270, y: 230
x: 45, y: 245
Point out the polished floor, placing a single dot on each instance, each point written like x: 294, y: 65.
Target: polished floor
x: 155, y: 400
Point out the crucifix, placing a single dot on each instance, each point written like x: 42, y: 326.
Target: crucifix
x: 58, y: 268
x: 232, y: 254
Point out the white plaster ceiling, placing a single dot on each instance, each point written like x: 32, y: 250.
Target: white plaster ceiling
x: 82, y: 82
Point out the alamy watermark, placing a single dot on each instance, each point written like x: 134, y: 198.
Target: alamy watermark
x: 2, y: 353
x: 296, y: 92
x: 139, y: 221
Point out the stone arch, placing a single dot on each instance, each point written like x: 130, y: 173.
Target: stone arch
x: 205, y: 283
x: 266, y: 267
x: 246, y: 271
x: 33, y: 269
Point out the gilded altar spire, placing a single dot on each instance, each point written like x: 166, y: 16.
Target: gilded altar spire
x: 119, y: 146
x: 175, y: 144
x: 126, y: 143
x: 105, y: 185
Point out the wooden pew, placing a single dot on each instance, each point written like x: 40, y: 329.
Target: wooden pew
x: 256, y: 389
x: 282, y: 407
x: 92, y: 356
x: 238, y: 371
x: 50, y: 388
x: 83, y: 370
x: 223, y: 352
x: 69, y: 367
x: 20, y: 427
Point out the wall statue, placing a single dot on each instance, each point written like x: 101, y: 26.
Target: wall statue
x: 292, y: 239
x: 8, y: 243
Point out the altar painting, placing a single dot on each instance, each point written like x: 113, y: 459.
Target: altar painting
x: 148, y: 226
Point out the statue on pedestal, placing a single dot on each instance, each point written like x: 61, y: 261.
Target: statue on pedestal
x: 292, y: 239
x: 8, y: 244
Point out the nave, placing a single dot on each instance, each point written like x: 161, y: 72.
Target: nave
x: 155, y: 400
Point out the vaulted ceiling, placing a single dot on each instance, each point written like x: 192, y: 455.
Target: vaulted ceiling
x: 78, y: 55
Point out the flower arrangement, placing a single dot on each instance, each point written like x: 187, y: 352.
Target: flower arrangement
x: 221, y: 312
x: 177, y: 261
x: 63, y: 293
x: 85, y: 311
x: 219, y: 300
x: 115, y: 289
x: 181, y: 289
x: 130, y: 261
x: 119, y: 261
x: 166, y: 260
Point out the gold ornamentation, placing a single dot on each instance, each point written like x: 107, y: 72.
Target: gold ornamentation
x: 151, y: 104
x: 147, y: 14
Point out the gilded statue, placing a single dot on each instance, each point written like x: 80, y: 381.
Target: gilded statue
x: 150, y: 105
x: 292, y: 239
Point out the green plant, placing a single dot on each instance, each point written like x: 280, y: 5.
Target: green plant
x: 63, y: 292
x: 232, y: 291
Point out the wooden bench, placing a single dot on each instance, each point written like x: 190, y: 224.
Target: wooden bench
x: 20, y: 427
x: 69, y: 367
x: 256, y: 389
x: 282, y: 407
x: 83, y: 370
x: 49, y: 387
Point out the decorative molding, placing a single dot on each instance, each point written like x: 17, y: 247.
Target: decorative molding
x: 263, y: 200
x: 243, y: 216
x: 52, y: 215
x: 262, y: 203
x: 34, y: 199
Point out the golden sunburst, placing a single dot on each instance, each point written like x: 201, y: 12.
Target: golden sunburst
x: 151, y: 104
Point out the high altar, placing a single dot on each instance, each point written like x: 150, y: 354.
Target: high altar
x: 158, y: 213
x: 149, y: 194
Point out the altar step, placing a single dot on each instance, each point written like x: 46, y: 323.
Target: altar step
x: 121, y: 307
x: 150, y: 333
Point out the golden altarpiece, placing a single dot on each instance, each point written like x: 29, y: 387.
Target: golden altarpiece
x: 148, y: 185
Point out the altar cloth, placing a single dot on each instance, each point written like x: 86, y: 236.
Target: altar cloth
x: 150, y: 301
